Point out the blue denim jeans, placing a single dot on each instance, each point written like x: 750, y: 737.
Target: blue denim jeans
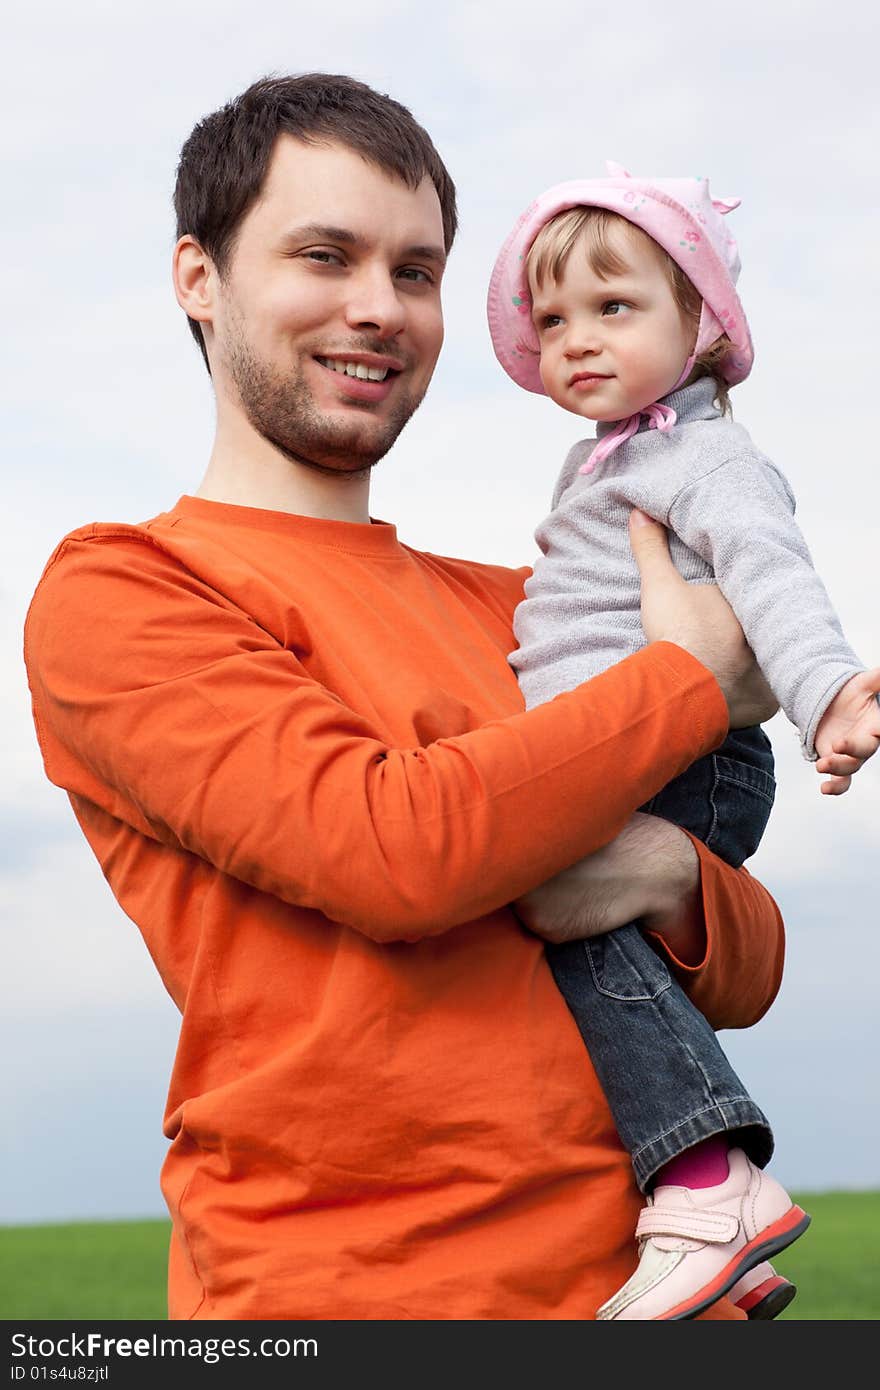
x: 666, y: 1079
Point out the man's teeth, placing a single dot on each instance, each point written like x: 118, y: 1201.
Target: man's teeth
x: 357, y: 369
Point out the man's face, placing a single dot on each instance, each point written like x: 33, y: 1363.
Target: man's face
x: 327, y: 323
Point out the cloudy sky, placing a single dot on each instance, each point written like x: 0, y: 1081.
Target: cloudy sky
x: 108, y: 416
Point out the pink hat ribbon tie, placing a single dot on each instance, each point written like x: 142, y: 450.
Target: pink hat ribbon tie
x: 660, y: 417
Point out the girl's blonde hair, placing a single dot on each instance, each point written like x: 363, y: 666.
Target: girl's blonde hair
x: 593, y: 229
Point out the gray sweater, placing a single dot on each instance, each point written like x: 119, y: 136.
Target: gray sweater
x: 730, y: 513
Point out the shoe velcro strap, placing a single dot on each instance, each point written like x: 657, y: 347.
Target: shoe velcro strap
x: 715, y: 1226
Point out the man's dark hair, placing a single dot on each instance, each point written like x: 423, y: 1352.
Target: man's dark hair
x: 224, y: 163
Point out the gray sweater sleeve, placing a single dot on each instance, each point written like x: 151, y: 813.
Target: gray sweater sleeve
x: 739, y: 518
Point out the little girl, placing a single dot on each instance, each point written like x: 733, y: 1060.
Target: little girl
x: 616, y: 298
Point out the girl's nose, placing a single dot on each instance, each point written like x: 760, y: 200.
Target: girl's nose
x: 580, y: 339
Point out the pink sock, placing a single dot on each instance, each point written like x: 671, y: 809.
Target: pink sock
x: 705, y: 1165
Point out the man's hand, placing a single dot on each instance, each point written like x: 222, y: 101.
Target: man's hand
x: 698, y: 618
x: 849, y: 731
x: 650, y: 871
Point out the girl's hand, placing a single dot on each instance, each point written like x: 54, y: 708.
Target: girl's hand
x: 849, y: 731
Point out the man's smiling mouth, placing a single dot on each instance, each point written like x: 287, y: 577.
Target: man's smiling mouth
x: 361, y: 370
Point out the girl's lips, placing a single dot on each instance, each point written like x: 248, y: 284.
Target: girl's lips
x: 587, y: 379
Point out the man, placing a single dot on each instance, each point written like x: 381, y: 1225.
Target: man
x: 301, y: 758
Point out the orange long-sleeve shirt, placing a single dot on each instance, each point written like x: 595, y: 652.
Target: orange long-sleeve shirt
x: 299, y: 754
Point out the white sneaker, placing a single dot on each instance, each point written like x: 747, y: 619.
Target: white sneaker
x: 697, y: 1243
x: 762, y: 1294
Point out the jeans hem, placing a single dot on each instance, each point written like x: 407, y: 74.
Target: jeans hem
x: 741, y: 1119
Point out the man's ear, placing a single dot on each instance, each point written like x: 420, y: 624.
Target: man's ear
x: 195, y: 279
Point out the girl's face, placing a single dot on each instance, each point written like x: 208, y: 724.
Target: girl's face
x: 611, y: 347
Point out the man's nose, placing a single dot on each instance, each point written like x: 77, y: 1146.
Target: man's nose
x: 374, y: 303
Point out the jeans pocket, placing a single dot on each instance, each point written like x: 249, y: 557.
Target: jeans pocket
x: 741, y: 800
x: 624, y: 966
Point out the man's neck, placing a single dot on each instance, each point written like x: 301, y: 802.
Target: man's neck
x: 246, y: 471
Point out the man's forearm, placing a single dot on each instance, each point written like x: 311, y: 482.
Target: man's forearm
x: 737, y: 978
x: 265, y: 772
x: 649, y: 872
x: 719, y: 927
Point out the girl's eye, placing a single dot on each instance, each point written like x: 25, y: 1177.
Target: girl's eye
x: 613, y: 308
x: 550, y: 321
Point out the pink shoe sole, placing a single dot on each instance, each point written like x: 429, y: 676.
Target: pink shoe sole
x: 770, y: 1241
x: 768, y: 1299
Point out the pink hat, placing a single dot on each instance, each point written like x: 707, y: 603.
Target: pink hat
x: 679, y: 214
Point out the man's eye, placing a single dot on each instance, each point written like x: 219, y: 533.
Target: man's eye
x: 415, y: 274
x: 323, y: 257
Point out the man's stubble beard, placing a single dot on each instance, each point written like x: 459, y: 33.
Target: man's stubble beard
x: 282, y: 410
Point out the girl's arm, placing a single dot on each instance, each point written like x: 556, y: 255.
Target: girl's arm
x: 740, y: 519
x: 849, y: 731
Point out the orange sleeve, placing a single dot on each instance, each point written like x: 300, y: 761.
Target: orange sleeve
x: 160, y: 701
x: 734, y: 969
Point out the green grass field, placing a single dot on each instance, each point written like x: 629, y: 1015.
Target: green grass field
x: 116, y: 1270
